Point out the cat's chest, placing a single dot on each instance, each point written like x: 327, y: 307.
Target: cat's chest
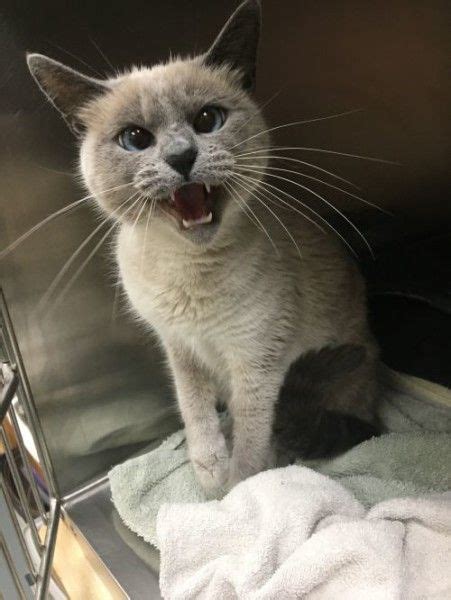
x: 187, y: 296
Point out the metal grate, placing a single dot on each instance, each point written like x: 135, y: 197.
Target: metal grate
x: 29, y: 500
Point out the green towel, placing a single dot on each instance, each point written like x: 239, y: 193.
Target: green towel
x: 412, y: 458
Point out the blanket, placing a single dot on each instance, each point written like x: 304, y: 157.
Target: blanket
x: 293, y: 533
x: 410, y: 463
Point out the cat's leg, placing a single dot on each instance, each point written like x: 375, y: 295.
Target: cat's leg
x: 252, y: 404
x: 196, y: 394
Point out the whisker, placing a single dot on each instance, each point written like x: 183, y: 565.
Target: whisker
x: 114, y: 308
x: 149, y: 217
x: 309, y: 208
x: 44, y: 168
x: 243, y: 157
x: 250, y: 191
x: 27, y: 234
x: 67, y: 265
x: 283, y: 203
x: 294, y: 123
x: 77, y: 58
x: 65, y: 289
x: 258, y: 111
x: 102, y: 54
x: 139, y: 212
x: 334, y: 208
x: 257, y: 221
x: 83, y: 265
x: 280, y: 169
x: 48, y: 219
x: 325, y: 151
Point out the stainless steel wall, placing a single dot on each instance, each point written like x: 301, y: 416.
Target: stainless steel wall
x: 98, y: 379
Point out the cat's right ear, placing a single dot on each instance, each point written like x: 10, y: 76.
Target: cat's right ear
x: 67, y: 89
x: 237, y: 43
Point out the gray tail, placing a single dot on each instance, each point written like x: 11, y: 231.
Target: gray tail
x: 306, y: 423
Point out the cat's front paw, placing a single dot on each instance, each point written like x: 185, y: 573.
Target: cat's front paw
x: 241, y: 469
x: 210, y: 460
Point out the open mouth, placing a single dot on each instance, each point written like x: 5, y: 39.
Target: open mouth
x: 192, y: 205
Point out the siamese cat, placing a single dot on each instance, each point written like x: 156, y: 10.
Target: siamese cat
x: 235, y: 279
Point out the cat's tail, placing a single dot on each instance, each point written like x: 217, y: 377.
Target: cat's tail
x: 318, y: 412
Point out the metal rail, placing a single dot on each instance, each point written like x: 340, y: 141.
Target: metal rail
x: 28, y: 559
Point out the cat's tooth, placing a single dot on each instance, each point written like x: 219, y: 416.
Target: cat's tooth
x: 173, y: 197
x: 187, y: 223
x: 207, y: 187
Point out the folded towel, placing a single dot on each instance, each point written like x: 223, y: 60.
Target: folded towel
x: 291, y: 532
x: 414, y: 458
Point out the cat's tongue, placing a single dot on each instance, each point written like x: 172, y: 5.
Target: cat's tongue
x: 193, y: 204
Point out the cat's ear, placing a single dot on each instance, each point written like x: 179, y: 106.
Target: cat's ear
x: 236, y: 44
x: 67, y: 89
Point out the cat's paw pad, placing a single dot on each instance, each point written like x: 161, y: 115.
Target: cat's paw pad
x: 211, y: 465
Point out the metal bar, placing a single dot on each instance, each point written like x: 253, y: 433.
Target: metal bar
x: 18, y: 528
x: 26, y: 463
x: 92, y: 485
x: 49, y: 543
x: 11, y: 381
x: 12, y: 568
x: 28, y: 402
x: 19, y: 487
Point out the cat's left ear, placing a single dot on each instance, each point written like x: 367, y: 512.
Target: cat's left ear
x: 68, y: 90
x: 236, y: 44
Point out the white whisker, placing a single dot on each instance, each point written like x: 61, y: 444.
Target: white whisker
x: 324, y: 151
x: 114, y: 308
x: 27, y: 234
x: 51, y: 217
x: 246, y: 208
x: 83, y: 265
x: 252, y: 192
x: 67, y: 265
x: 294, y: 123
x: 80, y: 60
x: 286, y: 194
x: 253, y: 156
x: 257, y: 112
x: 102, y: 54
x: 283, y: 203
x: 139, y: 211
x: 334, y: 208
x: 280, y: 169
x: 149, y: 217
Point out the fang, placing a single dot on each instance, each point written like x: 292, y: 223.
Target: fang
x: 202, y: 221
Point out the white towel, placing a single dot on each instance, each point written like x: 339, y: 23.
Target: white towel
x: 294, y: 533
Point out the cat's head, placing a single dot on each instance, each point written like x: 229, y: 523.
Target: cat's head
x: 169, y: 134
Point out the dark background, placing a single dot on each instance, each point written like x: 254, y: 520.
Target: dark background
x: 98, y: 381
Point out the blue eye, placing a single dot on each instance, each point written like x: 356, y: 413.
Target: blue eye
x: 135, y: 138
x: 209, y: 119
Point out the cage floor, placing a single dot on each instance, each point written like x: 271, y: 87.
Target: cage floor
x: 131, y: 562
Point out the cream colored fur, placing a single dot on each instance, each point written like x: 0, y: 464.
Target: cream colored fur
x: 234, y: 316
x: 231, y: 307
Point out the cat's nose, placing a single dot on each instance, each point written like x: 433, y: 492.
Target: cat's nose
x: 182, y: 161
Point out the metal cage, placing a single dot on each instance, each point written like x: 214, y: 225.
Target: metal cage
x: 35, y: 517
x: 29, y: 504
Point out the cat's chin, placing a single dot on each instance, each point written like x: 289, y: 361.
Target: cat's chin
x: 202, y: 234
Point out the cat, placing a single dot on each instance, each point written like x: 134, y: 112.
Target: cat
x: 205, y: 258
